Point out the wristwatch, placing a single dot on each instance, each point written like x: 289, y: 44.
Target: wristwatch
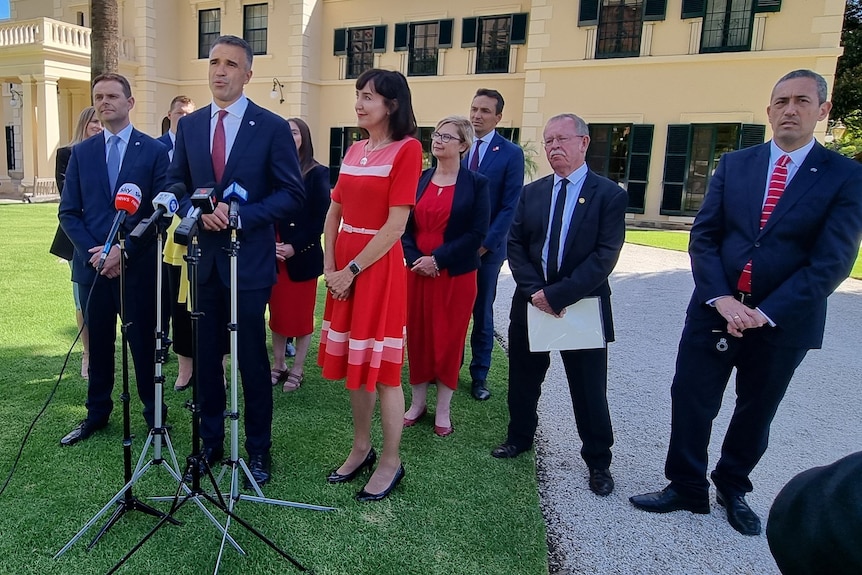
x: 354, y: 268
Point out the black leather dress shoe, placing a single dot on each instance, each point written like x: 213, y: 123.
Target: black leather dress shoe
x: 479, y: 391
x: 739, y: 514
x: 81, y: 432
x: 601, y: 482
x: 261, y: 469
x: 667, y: 500
x: 365, y: 496
x: 507, y: 450
x: 212, y: 455
x: 367, y: 463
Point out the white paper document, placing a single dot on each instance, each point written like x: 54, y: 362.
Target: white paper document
x: 579, y: 328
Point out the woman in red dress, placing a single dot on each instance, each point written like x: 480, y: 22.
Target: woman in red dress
x: 441, y: 245
x: 300, y: 257
x: 362, y: 339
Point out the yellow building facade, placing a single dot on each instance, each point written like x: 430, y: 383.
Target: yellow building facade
x: 667, y: 86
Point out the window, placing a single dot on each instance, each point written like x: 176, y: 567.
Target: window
x: 209, y: 28
x: 359, y: 45
x: 493, y: 36
x: 254, y: 27
x: 616, y: 12
x: 79, y: 18
x: 621, y: 152
x: 727, y: 26
x: 619, y: 32
x: 423, y: 40
x: 693, y: 151
x: 10, y: 148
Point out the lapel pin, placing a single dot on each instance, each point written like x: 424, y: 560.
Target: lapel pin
x: 496, y: 149
x: 251, y: 123
x: 813, y: 169
x: 137, y: 143
x: 582, y: 201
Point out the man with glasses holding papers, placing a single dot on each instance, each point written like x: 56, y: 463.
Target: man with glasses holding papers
x: 564, y: 242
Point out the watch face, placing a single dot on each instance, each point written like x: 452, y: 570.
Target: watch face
x: 354, y: 268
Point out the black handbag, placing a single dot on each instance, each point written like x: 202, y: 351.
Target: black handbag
x: 62, y: 246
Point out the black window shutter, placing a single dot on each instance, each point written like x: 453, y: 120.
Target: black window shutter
x: 751, y: 135
x: 336, y: 153
x: 693, y: 8
x: 339, y: 43
x: 767, y: 5
x: 401, y: 42
x: 379, y: 43
x: 468, y: 32
x: 655, y: 9
x: 519, y: 28
x: 640, y: 146
x: 444, y: 38
x: 588, y: 13
x: 675, y: 167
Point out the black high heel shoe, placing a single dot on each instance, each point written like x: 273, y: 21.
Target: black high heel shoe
x: 365, y: 496
x: 368, y: 463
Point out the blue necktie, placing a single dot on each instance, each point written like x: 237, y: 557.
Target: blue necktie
x: 556, y: 231
x: 113, y: 161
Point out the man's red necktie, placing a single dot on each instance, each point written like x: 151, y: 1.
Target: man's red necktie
x: 777, y: 183
x: 219, y: 147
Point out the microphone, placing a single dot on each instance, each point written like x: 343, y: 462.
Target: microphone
x: 237, y: 195
x: 126, y: 202
x: 166, y: 205
x: 204, y: 202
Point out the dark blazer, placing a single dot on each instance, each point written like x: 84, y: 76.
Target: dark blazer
x: 166, y: 140
x: 263, y: 160
x: 303, y: 230
x: 595, y: 238
x: 87, y: 205
x: 815, y: 524
x: 465, y: 230
x: 806, y: 249
x: 61, y: 165
x: 61, y: 245
x: 503, y: 165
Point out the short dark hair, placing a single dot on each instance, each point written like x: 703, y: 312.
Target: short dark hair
x: 111, y: 77
x: 232, y: 40
x: 395, y: 91
x: 818, y: 79
x: 306, y: 147
x: 492, y: 94
x: 182, y: 100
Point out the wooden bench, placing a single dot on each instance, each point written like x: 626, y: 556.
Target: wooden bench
x: 41, y: 190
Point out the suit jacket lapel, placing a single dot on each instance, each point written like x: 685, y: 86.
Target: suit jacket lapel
x: 806, y: 176
x: 753, y: 189
x: 244, y: 138
x: 543, y: 205
x: 102, y: 166
x: 585, y: 199
x: 423, y: 183
x: 133, y: 153
x: 198, y: 126
x: 491, y: 154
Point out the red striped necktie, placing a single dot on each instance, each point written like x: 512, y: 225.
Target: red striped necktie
x: 219, y: 151
x: 777, y: 183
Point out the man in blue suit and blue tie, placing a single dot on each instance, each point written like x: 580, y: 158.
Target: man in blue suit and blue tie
x: 234, y: 140
x: 779, y: 229
x: 502, y: 162
x: 99, y: 166
x: 181, y: 106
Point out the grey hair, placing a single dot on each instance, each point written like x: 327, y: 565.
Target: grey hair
x: 581, y: 128
x: 818, y: 79
x: 231, y: 40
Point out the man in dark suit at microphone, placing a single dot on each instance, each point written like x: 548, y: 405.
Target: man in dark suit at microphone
x: 233, y: 140
x: 107, y: 174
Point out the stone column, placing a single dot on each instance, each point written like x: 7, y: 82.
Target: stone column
x: 48, y: 124
x: 29, y: 132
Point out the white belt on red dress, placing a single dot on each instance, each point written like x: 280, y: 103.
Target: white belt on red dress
x: 354, y: 230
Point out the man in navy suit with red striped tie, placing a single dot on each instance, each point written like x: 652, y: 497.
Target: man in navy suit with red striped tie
x: 779, y: 229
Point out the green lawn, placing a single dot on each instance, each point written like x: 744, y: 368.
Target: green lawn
x: 674, y: 240
x: 458, y: 511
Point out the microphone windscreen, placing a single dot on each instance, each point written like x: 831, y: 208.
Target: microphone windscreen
x: 128, y: 198
x: 167, y: 202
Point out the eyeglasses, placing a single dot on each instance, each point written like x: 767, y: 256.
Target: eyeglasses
x: 445, y: 138
x: 563, y: 140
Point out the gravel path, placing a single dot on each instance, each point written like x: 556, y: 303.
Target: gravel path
x: 819, y: 421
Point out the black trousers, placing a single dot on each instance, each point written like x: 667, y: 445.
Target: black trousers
x: 586, y: 371
x: 253, y: 363
x: 182, y: 319
x: 704, y: 363
x: 101, y: 317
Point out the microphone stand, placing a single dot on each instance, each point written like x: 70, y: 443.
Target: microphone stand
x: 124, y: 498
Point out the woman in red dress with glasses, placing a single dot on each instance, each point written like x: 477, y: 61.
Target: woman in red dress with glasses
x: 441, y: 245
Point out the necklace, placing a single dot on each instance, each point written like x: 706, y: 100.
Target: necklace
x: 366, y: 151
